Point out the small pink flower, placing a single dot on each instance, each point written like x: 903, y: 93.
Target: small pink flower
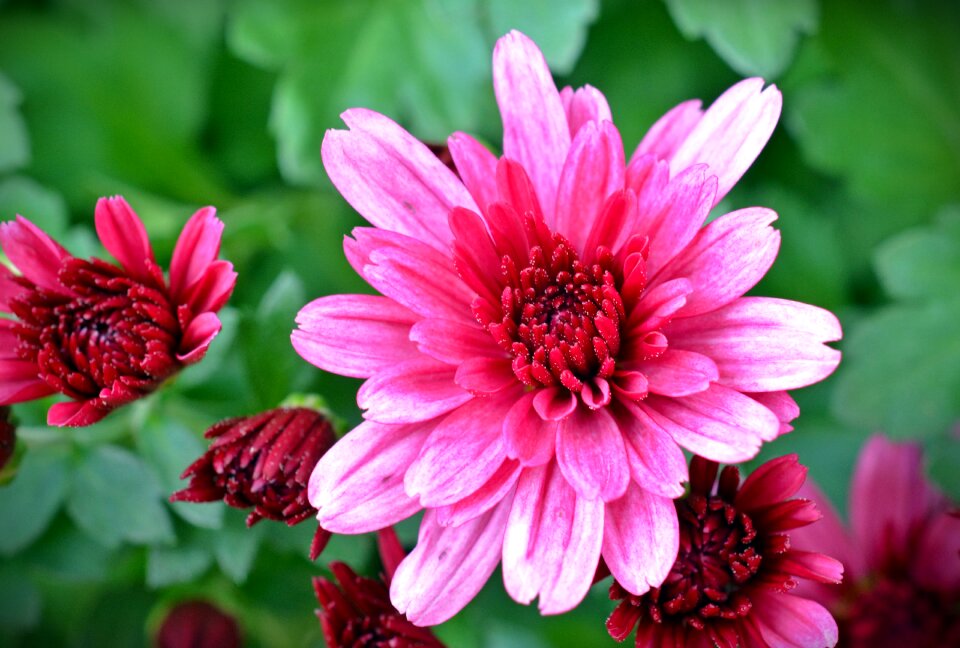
x: 100, y: 334
x: 901, y: 555
x: 263, y: 461
x: 729, y: 584
x: 555, y: 324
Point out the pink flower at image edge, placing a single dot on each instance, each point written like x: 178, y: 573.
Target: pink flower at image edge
x: 554, y: 325
x: 901, y: 553
x: 100, y: 334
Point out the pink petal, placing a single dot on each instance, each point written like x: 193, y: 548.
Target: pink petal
x: 212, y: 290
x: 462, y: 453
x: 516, y: 190
x: 725, y: 259
x: 535, y: 131
x: 9, y: 289
x: 474, y: 256
x: 422, y: 284
x: 677, y: 373
x: 197, y: 247
x: 484, y: 498
x: 552, y: 544
x: 719, y: 424
x: 787, y: 621
x: 593, y: 170
x: 937, y: 562
x: 453, y: 342
x: 367, y: 240
x: 36, y: 255
x: 357, y: 486
x: 554, y: 403
x: 774, y: 481
x: 614, y: 225
x: 481, y: 376
x: 197, y: 338
x: 527, y: 436
x: 762, y: 344
x: 354, y: 335
x: 411, y: 391
x: 75, y: 414
x: 591, y: 455
x: 657, y: 463
x: 657, y: 306
x: 477, y: 168
x: 889, y: 496
x: 391, y: 178
x: 781, y: 404
x: 810, y: 565
x: 829, y: 536
x: 669, y: 132
x: 449, y: 565
x: 124, y: 236
x: 641, y: 537
x: 20, y: 381
x: 731, y: 133
x: 584, y: 105
x: 673, y: 215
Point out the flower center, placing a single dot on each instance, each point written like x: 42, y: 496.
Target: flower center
x: 896, y: 612
x: 113, y: 333
x: 561, y: 317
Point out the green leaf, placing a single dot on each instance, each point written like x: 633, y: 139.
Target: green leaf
x: 943, y: 458
x: 70, y: 555
x: 235, y: 546
x: 424, y: 63
x: 559, y: 27
x: 169, y: 448
x: 29, y: 502
x: 754, y: 37
x: 171, y: 565
x: 14, y: 143
x: 923, y: 262
x: 901, y: 370
x: 20, y: 600
x: 44, y: 207
x: 878, y: 104
x: 272, y: 365
x: 116, y: 498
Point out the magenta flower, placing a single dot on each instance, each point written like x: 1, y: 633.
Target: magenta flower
x: 901, y: 556
x: 730, y: 583
x: 100, y: 334
x: 553, y: 328
x: 263, y: 461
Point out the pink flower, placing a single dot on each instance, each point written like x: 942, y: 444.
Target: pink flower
x: 730, y: 582
x: 901, y: 555
x: 100, y: 334
x: 553, y: 328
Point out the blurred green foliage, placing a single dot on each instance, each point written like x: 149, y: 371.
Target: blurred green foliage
x: 183, y: 103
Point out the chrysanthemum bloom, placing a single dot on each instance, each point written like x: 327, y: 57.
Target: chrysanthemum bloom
x: 901, y: 557
x: 101, y: 334
x: 8, y: 436
x: 356, y: 611
x: 198, y: 624
x: 552, y: 329
x: 263, y: 461
x: 729, y: 584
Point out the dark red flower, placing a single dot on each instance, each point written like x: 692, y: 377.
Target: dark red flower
x: 101, y: 334
x: 900, y: 554
x: 356, y: 612
x: 729, y: 584
x: 197, y: 624
x: 263, y: 461
x: 8, y: 436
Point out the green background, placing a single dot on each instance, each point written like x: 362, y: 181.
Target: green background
x: 181, y: 103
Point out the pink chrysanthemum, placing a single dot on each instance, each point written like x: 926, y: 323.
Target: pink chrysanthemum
x: 100, y: 334
x: 730, y: 583
x: 553, y: 327
x: 901, y: 557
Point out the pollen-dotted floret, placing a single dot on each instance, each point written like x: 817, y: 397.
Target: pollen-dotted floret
x: 553, y: 325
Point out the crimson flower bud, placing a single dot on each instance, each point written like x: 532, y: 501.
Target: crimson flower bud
x: 197, y: 624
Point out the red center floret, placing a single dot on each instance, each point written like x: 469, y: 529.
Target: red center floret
x: 114, y: 338
x: 561, y: 318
